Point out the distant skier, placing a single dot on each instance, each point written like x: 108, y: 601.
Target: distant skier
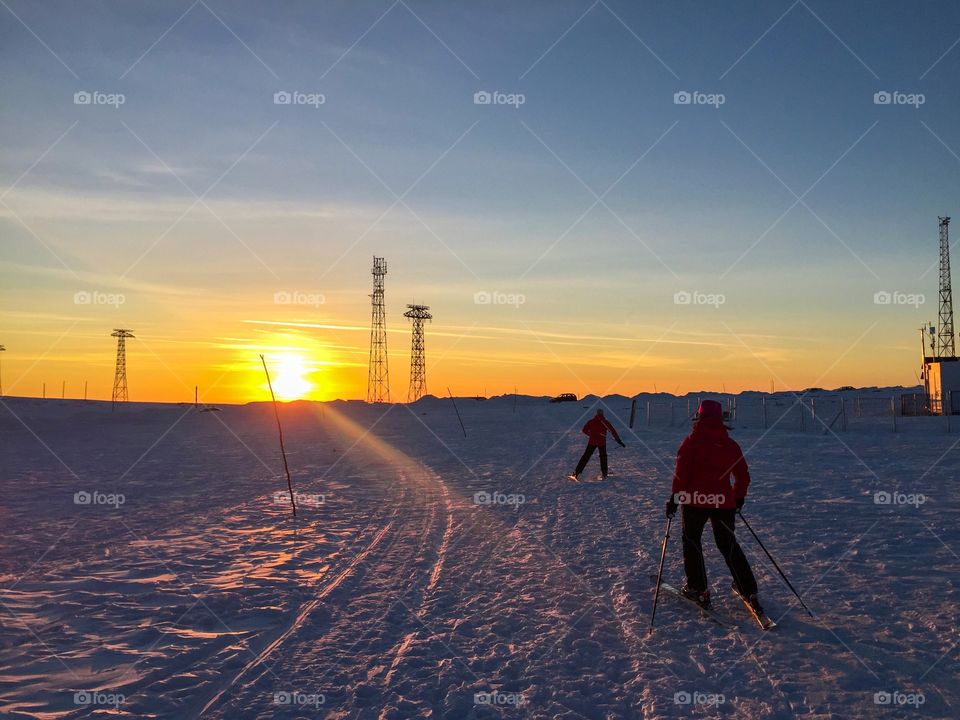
x: 596, y: 432
x: 702, y: 487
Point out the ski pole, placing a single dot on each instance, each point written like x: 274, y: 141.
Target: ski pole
x: 286, y: 468
x: 762, y: 547
x: 457, y: 411
x: 663, y: 555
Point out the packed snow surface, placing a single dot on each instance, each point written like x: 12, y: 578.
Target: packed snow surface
x: 150, y: 566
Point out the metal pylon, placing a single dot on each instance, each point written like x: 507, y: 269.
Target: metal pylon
x: 120, y: 376
x: 378, y: 375
x: 418, y: 364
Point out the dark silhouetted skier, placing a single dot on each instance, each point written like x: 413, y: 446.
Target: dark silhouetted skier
x: 596, y: 432
x: 701, y: 486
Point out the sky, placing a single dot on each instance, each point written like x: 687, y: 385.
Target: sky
x: 585, y: 231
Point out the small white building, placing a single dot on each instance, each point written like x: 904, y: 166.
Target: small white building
x: 941, y: 380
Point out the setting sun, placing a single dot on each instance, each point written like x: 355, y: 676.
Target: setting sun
x: 289, y: 373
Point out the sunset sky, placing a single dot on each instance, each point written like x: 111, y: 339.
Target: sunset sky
x: 192, y: 211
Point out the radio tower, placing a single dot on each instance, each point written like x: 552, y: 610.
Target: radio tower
x: 418, y: 365
x: 378, y: 377
x: 120, y: 377
x: 946, y: 347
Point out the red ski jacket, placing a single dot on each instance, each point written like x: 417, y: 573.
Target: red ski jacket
x: 596, y: 430
x: 705, y: 461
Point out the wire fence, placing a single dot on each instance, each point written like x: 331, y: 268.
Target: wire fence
x: 822, y: 412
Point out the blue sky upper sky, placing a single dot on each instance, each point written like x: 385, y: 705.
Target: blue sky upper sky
x: 501, y: 198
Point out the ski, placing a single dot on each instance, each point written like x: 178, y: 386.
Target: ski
x: 706, y: 612
x: 763, y: 620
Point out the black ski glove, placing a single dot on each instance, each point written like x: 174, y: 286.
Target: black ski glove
x: 740, y: 502
x: 671, y: 507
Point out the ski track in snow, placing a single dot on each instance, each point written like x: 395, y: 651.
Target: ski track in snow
x: 402, y: 595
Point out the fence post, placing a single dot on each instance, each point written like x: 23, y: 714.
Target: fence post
x: 763, y: 403
x: 803, y: 420
x: 648, y: 413
x: 813, y: 411
x: 843, y: 413
x: 633, y: 411
x: 893, y: 411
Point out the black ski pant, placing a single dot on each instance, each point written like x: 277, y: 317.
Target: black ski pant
x: 694, y: 519
x: 587, y: 454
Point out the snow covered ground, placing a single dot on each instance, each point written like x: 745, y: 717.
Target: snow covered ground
x: 147, y: 569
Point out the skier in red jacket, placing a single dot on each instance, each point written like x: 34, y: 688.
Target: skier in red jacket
x: 701, y: 486
x: 596, y: 432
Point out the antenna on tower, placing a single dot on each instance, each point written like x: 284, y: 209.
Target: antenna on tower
x: 945, y: 338
x: 418, y: 365
x: 378, y: 377
x: 120, y: 377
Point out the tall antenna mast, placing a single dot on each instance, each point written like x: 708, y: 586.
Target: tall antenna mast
x: 418, y: 365
x: 946, y: 347
x: 378, y: 376
x: 120, y: 377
